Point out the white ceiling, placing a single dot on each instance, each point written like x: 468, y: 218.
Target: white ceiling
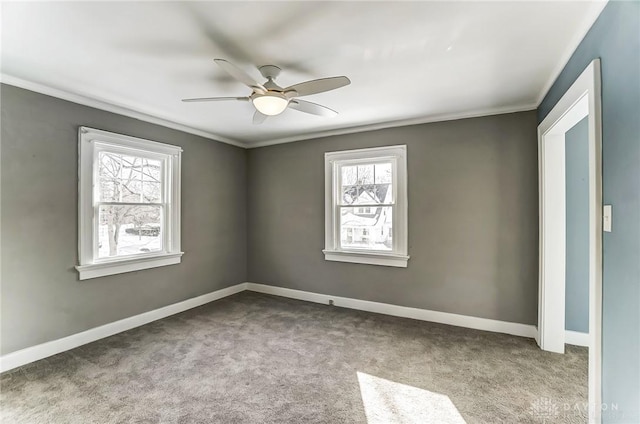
x: 409, y: 62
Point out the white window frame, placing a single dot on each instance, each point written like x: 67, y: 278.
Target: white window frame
x: 90, y: 143
x: 333, y: 162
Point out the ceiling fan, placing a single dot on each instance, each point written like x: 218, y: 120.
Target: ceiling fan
x: 270, y: 99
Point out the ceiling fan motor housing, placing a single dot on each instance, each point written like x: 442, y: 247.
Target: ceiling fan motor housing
x: 270, y: 71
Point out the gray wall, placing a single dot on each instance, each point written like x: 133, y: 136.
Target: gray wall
x: 615, y: 38
x: 42, y: 298
x: 577, y: 269
x: 473, y: 219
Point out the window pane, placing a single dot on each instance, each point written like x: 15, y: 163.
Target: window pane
x: 152, y: 192
x: 125, y: 178
x: 349, y: 175
x: 109, y: 165
x: 129, y: 230
x: 365, y: 174
x: 383, y: 173
x: 350, y: 194
x: 108, y: 191
x: 366, y: 229
x: 130, y: 190
x: 152, y: 170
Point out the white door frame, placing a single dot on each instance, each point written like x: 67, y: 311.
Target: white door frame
x: 582, y: 99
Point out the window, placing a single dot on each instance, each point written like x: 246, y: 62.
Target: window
x: 366, y: 206
x: 129, y: 204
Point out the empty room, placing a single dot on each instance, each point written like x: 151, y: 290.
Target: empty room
x: 320, y: 212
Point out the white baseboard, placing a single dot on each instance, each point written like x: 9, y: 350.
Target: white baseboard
x: 31, y: 354
x: 576, y: 338
x: 34, y: 353
x: 485, y: 324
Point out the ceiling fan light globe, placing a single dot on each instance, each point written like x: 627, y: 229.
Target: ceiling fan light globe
x: 270, y: 105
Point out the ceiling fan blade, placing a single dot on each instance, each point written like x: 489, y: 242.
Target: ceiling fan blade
x: 239, y: 74
x: 216, y: 99
x: 259, y: 118
x: 312, y: 108
x: 319, y: 86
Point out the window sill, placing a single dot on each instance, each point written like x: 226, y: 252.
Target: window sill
x: 383, y: 259
x: 118, y: 267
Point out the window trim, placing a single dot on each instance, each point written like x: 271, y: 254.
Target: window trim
x: 90, y: 142
x: 398, y: 257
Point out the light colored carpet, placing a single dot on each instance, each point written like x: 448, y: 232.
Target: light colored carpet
x: 254, y: 358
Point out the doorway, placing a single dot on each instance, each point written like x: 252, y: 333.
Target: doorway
x: 582, y: 100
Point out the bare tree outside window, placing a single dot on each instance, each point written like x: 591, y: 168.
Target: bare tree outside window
x: 130, y: 204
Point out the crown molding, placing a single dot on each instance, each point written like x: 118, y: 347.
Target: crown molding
x: 398, y: 123
x: 584, y: 28
x: 136, y: 114
x: 112, y: 107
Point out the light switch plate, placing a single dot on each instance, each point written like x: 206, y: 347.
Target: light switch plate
x: 606, y: 218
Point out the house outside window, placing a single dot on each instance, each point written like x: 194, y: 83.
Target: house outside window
x: 366, y: 206
x: 129, y: 203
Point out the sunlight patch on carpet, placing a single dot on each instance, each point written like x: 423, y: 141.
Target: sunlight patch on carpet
x: 387, y: 402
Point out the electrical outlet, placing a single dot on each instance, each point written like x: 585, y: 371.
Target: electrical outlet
x: 606, y: 218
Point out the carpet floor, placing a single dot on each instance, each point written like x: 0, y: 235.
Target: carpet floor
x: 255, y: 358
